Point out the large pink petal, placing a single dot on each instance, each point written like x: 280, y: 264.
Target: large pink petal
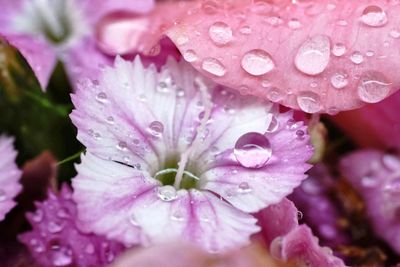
x: 40, y: 56
x: 380, y: 124
x: 9, y: 176
x: 318, y: 56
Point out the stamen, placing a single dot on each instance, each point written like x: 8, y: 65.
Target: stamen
x: 206, y: 98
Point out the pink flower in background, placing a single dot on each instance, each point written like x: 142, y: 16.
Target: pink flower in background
x: 55, y: 239
x: 170, y: 155
x: 376, y: 176
x: 9, y: 176
x: 44, y: 31
x: 317, y: 56
x: 291, y: 242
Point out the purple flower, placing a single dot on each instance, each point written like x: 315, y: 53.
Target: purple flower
x: 44, y: 30
x: 55, y: 239
x: 9, y: 176
x: 376, y: 176
x: 292, y: 242
x: 172, y: 155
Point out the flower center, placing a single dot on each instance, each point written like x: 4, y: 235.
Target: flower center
x: 59, y: 21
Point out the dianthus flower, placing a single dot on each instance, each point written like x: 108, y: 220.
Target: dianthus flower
x: 376, y: 176
x: 55, y: 239
x: 9, y: 176
x: 44, y: 30
x: 170, y: 155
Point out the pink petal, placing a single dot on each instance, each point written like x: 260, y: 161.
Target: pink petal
x: 339, y: 56
x: 39, y: 55
x: 9, y: 176
x: 56, y: 241
x: 253, y: 189
x: 375, y: 175
x: 104, y: 192
x: 380, y: 124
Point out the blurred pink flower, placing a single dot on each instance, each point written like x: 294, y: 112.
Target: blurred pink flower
x: 317, y: 56
x: 9, y: 176
x: 55, y: 239
x: 47, y: 30
x: 170, y: 155
x: 376, y: 176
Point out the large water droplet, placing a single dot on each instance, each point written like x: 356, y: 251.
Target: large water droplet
x: 220, y: 33
x: 156, y: 128
x: 257, y: 62
x: 313, y: 56
x: 309, y: 102
x: 273, y: 125
x: 213, y: 66
x: 373, y: 87
x: 253, y: 150
x: 374, y: 16
x: 167, y: 193
x: 339, y: 80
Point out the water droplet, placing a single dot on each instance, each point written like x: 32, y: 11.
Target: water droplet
x: 257, y: 62
x: 391, y: 162
x: 357, y: 58
x: 101, y: 97
x: 61, y: 255
x: 38, y: 216
x: 369, y: 181
x: 244, y: 188
x: 338, y: 49
x: 54, y: 227
x: 180, y: 92
x: 253, y: 150
x: 339, y: 80
x: 190, y: 55
x: 294, y: 24
x: 122, y: 145
x: 373, y: 87
x: 156, y: 128
x: 299, y: 215
x: 300, y: 134
x: 275, y: 94
x: 163, y: 87
x: 182, y: 40
x: 394, y: 34
x: 273, y: 125
x: 309, y: 102
x: 374, y: 16
x: 63, y: 213
x: 167, y: 193
x: 213, y: 66
x: 110, y: 119
x: 245, y: 30
x: 3, y: 195
x: 313, y: 56
x: 220, y: 33
x: 210, y: 7
x: 342, y: 22
x: 370, y: 53
x: 90, y: 249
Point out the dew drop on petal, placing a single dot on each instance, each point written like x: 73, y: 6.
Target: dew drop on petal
x: 275, y: 94
x: 313, y: 56
x: 276, y: 248
x: 373, y: 87
x: 190, y: 55
x: 257, y: 62
x: 122, y: 145
x: 339, y: 80
x: 167, y: 193
x: 101, y: 97
x: 338, y: 49
x: 253, y: 150
x: 37, y: 216
x: 374, y: 16
x: 393, y: 186
x: 220, y: 33
x: 156, y: 128
x: 245, y: 30
x: 309, y: 102
x: 61, y: 255
x: 394, y: 34
x: 357, y: 58
x: 90, y: 249
x: 54, y: 227
x: 213, y: 66
x: 244, y: 188
x: 369, y: 181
